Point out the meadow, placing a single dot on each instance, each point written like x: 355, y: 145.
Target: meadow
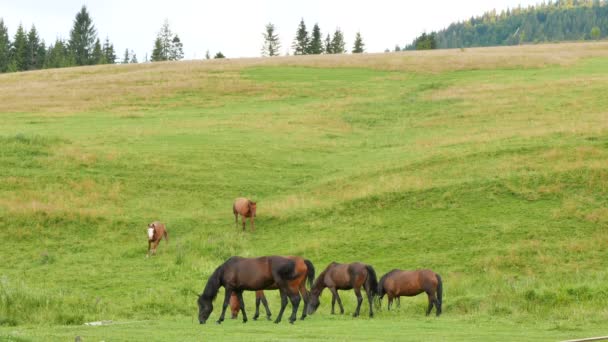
x: 488, y: 166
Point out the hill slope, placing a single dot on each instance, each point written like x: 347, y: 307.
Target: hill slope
x: 491, y: 170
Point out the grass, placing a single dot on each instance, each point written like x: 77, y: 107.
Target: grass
x: 487, y: 166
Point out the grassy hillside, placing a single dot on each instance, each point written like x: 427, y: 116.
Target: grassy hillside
x: 485, y: 165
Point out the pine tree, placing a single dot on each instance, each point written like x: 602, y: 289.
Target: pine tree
x: 5, y: 47
x: 177, y: 50
x: 327, y: 46
x: 316, y: 45
x: 41, y: 56
x: 108, y: 52
x: 272, y: 45
x: 207, y: 55
x: 301, y: 42
x: 133, y: 57
x: 219, y: 55
x: 57, y: 55
x: 397, y: 48
x: 33, y: 46
x: 19, y: 51
x: 97, y: 57
x: 338, y: 45
x: 157, y: 52
x: 82, y: 38
x: 358, y: 47
x: 125, y: 59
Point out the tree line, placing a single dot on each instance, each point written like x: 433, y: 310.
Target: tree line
x: 309, y: 43
x: 561, y: 20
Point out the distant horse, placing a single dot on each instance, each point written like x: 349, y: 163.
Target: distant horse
x: 239, y: 274
x: 156, y: 231
x: 235, y: 305
x: 398, y: 283
x: 345, y: 277
x: 261, y: 298
x: 245, y: 208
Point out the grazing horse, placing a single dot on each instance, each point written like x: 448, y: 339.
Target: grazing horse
x: 238, y: 274
x: 345, y: 277
x: 156, y: 231
x: 235, y: 305
x: 398, y: 283
x: 245, y: 208
x: 260, y: 297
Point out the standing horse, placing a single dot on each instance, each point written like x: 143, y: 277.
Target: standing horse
x: 260, y: 297
x: 239, y: 274
x: 156, y: 231
x: 245, y: 208
x: 235, y: 305
x: 398, y: 283
x: 345, y: 277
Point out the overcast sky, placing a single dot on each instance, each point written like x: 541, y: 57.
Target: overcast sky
x: 235, y: 27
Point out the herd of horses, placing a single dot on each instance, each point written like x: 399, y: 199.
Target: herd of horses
x: 289, y: 275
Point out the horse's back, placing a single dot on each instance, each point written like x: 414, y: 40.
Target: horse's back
x: 241, y: 206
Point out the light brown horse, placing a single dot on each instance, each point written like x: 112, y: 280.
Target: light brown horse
x: 245, y: 208
x: 235, y: 305
x: 344, y: 277
x: 239, y: 274
x: 302, y: 264
x: 156, y: 231
x: 398, y: 283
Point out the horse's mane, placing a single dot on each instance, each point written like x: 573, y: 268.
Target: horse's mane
x: 214, y: 283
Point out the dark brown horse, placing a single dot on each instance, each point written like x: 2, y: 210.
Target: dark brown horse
x: 235, y: 305
x: 252, y: 274
x: 156, y: 231
x: 398, y: 283
x: 261, y: 298
x: 344, y: 277
x: 245, y: 208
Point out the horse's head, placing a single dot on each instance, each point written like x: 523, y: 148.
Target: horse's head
x: 151, y: 231
x: 313, y: 302
x: 252, y: 208
x: 205, y: 306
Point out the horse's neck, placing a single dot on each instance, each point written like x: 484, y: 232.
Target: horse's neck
x: 319, y: 285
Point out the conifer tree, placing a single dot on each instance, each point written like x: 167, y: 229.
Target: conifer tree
x: 19, y: 51
x: 177, y: 50
x: 167, y: 46
x: 108, y: 52
x: 5, y: 47
x: 97, y: 57
x: 82, y: 38
x: 31, y: 54
x: 315, y: 47
x: 271, y: 45
x: 338, y: 45
x: 133, y: 57
x: 358, y: 47
x: 219, y: 55
x: 57, y: 55
x: 327, y: 45
x: 301, y: 42
x: 126, y: 59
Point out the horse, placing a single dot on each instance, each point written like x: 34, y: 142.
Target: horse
x: 245, y: 208
x: 156, y: 231
x: 344, y: 277
x: 235, y: 305
x: 261, y: 298
x: 398, y: 283
x: 238, y: 274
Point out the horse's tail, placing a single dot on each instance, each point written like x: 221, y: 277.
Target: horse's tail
x: 310, y: 273
x: 372, y: 280
x: 166, y: 235
x: 439, y: 291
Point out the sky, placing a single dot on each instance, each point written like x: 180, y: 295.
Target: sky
x: 235, y: 27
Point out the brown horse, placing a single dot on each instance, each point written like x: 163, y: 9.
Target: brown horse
x: 156, y: 231
x: 345, y: 277
x: 261, y: 298
x: 239, y: 274
x: 398, y: 283
x: 235, y: 305
x: 245, y: 208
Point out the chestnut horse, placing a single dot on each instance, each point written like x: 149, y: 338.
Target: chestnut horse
x: 235, y: 305
x: 245, y: 208
x: 238, y: 274
x: 345, y: 277
x: 398, y: 283
x: 156, y: 231
x: 260, y: 297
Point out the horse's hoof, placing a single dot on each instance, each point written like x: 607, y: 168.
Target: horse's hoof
x: 244, y: 321
x: 268, y: 318
x: 277, y: 322
x: 219, y: 322
x: 255, y: 318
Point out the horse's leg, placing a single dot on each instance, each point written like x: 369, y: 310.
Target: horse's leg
x: 225, y: 305
x: 239, y: 295
x: 252, y: 223
x: 295, y: 303
x: 390, y: 302
x: 398, y: 301
x: 339, y: 302
x: 243, y: 219
x: 236, y: 219
x: 257, y: 308
x: 359, y: 301
x: 431, y: 301
x: 370, y: 299
x: 265, y: 302
x: 149, y: 244
x: 155, y: 246
x: 283, y: 305
x: 333, y: 301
